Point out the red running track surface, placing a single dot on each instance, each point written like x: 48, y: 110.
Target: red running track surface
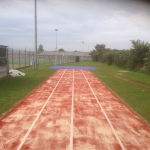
x: 72, y: 110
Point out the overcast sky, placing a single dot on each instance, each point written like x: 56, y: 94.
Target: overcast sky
x: 110, y: 22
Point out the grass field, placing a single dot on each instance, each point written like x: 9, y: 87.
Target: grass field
x: 13, y: 89
x: 132, y: 87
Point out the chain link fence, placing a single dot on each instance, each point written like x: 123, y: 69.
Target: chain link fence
x: 20, y: 59
x: 60, y: 58
x: 57, y: 60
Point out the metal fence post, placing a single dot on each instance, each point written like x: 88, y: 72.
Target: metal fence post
x: 25, y: 57
x: 7, y: 62
x: 19, y: 58
x: 29, y: 57
x: 12, y: 60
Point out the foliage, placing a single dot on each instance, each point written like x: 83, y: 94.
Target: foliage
x: 147, y: 61
x: 137, y: 58
x: 61, y: 50
x: 138, y: 53
x: 40, y: 49
x: 100, y: 48
x: 96, y: 54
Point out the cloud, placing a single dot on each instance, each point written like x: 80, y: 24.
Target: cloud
x: 113, y: 23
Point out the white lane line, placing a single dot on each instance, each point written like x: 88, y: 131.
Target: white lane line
x: 122, y: 146
x: 38, y: 115
x: 72, y: 115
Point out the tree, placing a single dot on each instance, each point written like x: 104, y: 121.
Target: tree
x: 61, y: 50
x: 100, y: 48
x: 139, y: 52
x: 96, y: 54
x: 40, y: 49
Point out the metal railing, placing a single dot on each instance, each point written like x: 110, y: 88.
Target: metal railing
x: 22, y: 58
x: 60, y: 60
x: 19, y: 59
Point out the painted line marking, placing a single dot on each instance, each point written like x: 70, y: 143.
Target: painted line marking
x: 72, y: 115
x: 38, y: 115
x: 122, y: 146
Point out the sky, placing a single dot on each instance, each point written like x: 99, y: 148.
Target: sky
x: 110, y: 22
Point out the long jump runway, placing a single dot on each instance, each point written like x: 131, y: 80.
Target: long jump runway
x: 72, y: 110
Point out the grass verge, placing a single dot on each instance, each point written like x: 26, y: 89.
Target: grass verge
x: 132, y: 87
x: 13, y: 89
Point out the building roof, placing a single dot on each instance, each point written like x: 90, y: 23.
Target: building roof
x: 46, y: 53
x: 3, y: 46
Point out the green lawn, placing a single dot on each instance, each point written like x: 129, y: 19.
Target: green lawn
x: 13, y: 89
x: 132, y: 87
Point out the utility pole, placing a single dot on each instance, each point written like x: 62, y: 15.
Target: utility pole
x: 56, y: 48
x: 82, y: 50
x: 35, y: 53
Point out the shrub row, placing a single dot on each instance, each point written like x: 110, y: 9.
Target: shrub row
x: 137, y: 58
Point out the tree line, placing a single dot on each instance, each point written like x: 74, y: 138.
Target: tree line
x: 41, y: 49
x: 136, y: 58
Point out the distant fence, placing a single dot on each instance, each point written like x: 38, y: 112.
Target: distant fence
x: 19, y: 59
x: 60, y: 60
x: 23, y: 58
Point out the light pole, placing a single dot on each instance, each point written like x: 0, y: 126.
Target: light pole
x: 56, y: 48
x: 35, y: 53
x: 82, y: 50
